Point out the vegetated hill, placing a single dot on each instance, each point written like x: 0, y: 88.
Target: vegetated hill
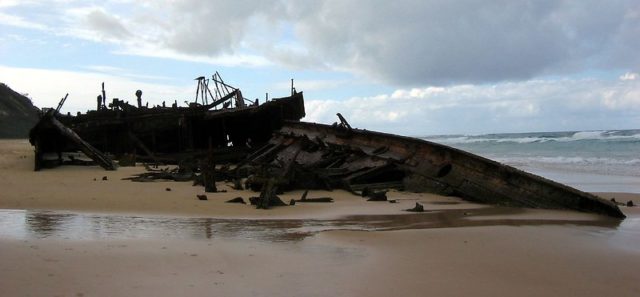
x: 17, y: 114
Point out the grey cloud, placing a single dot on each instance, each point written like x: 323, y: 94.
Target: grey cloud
x: 439, y: 42
x: 107, y: 25
x: 213, y: 27
x: 402, y: 42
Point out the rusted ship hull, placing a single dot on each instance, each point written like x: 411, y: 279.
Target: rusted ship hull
x: 171, y: 133
x: 354, y: 159
x: 172, y: 130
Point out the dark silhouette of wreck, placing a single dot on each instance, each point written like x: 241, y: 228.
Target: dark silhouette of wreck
x: 269, y: 145
x: 222, y: 121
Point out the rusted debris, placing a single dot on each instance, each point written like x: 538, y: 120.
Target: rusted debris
x: 316, y: 200
x: 628, y: 204
x: 268, y: 196
x: 373, y: 195
x: 417, y: 208
x: 237, y: 184
x: 209, y: 176
x: 175, y: 174
x: 343, y: 122
x: 305, y: 199
x: 236, y: 200
x: 202, y: 197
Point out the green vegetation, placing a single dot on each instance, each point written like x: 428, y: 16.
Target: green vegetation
x: 17, y: 113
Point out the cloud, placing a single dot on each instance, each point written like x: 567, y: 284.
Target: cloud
x: 121, y: 72
x: 629, y: 76
x: 84, y: 87
x: 404, y: 43
x: 105, y: 68
x: 194, y: 31
x: 231, y: 60
x: 442, y: 42
x: 311, y: 85
x: 107, y: 25
x: 417, y: 42
x: 533, y: 105
x: 211, y: 28
x: 16, y: 21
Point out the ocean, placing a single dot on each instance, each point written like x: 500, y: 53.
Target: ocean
x: 594, y: 161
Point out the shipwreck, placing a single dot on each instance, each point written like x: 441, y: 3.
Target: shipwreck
x: 273, y: 150
x: 310, y: 155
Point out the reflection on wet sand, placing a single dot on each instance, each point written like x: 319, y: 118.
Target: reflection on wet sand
x: 45, y: 223
x: 48, y: 224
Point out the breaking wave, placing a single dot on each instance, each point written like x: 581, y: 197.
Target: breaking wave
x: 524, y: 138
x: 611, y: 152
x: 568, y: 161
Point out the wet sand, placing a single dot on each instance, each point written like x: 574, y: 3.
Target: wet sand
x: 456, y: 248
x: 490, y: 261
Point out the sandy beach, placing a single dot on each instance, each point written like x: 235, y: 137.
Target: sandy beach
x: 83, y: 231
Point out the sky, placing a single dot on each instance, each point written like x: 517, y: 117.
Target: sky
x: 417, y: 68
